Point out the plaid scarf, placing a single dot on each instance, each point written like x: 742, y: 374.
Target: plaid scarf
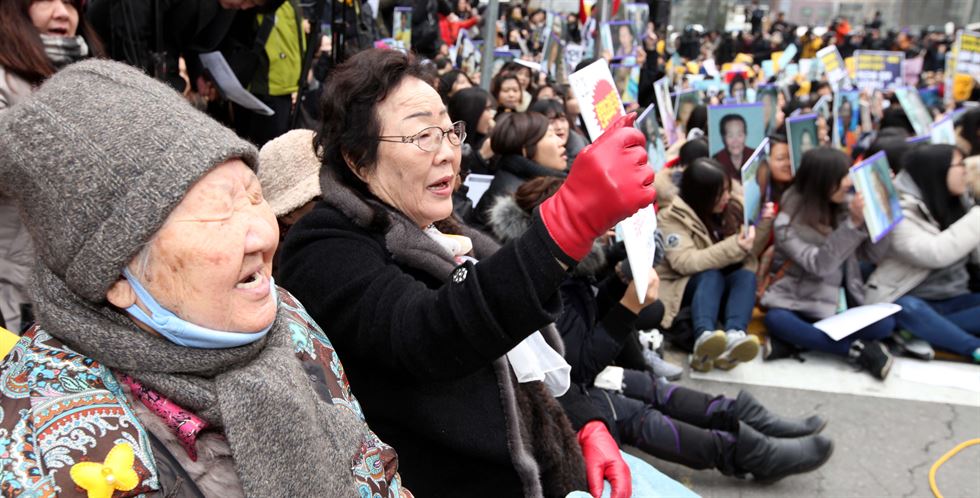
x: 63, y: 50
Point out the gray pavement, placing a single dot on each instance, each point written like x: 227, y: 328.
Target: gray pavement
x: 882, y: 447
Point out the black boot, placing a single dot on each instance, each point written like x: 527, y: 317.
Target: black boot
x: 749, y: 410
x: 770, y: 459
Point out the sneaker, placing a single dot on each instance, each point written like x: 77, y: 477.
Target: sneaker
x: 707, y: 347
x: 739, y: 348
x: 775, y: 348
x: 911, y: 346
x: 662, y: 367
x: 874, y: 357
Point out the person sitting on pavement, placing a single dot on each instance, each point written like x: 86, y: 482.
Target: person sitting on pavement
x: 709, y: 266
x: 815, y: 271
x: 165, y: 360
x: 925, y: 270
x: 668, y: 421
x: 431, y: 339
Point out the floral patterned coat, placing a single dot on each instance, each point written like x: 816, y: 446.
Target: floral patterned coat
x: 59, y: 409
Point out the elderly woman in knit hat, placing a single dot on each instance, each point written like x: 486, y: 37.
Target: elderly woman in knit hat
x: 165, y: 361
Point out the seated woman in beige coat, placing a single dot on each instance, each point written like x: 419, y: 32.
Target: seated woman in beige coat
x: 926, y: 268
x: 710, y: 265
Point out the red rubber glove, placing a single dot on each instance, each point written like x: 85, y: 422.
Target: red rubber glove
x: 609, y: 181
x: 603, y: 461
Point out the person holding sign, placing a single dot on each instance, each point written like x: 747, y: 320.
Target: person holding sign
x: 926, y: 270
x: 709, y: 266
x: 815, y: 272
x: 425, y: 331
x: 666, y: 420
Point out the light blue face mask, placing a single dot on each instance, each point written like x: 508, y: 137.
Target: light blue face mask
x: 182, y: 332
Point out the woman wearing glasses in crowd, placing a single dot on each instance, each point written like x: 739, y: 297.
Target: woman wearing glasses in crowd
x: 429, y: 337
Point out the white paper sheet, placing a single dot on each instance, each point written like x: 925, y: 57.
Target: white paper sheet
x: 639, y: 236
x: 844, y: 324
x: 228, y: 83
x: 478, y: 185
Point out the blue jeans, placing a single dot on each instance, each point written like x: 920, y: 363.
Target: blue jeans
x: 706, y: 291
x: 794, y: 328
x: 951, y: 324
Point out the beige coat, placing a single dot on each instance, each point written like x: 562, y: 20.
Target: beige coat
x: 919, y: 247
x: 13, y: 88
x: 689, y: 251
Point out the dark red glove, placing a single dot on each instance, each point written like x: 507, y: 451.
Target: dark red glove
x: 603, y: 462
x: 609, y: 181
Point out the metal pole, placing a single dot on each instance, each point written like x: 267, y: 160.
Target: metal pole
x: 489, y: 43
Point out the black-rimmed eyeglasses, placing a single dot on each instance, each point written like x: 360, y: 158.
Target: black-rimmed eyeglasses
x: 430, y: 139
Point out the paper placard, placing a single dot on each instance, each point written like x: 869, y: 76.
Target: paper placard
x: 402, y: 28
x: 786, y: 57
x: 943, y: 131
x: 598, y: 99
x: 647, y: 123
x: 477, y: 186
x: 755, y: 184
x: 801, y: 132
x: 639, y: 236
x: 229, y: 85
x: 833, y: 65
x: 915, y: 110
x: 878, y: 69
x: 844, y: 324
x: 882, y: 211
x: 665, y: 106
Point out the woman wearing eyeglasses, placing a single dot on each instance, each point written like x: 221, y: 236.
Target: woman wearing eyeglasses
x: 436, y: 324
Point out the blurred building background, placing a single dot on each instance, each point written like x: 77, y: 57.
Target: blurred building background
x: 915, y: 14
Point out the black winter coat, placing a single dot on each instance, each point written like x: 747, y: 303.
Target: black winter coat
x: 512, y: 172
x: 422, y: 342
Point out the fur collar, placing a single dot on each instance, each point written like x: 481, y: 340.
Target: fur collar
x: 508, y: 221
x: 410, y: 246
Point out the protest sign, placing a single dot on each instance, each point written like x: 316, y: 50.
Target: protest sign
x: 627, y: 78
x: 943, y: 131
x: 598, y: 99
x: 911, y: 70
x: 402, y: 28
x: 665, y: 106
x: 477, y: 186
x: 618, y: 38
x: 734, y: 132
x: 847, y: 118
x: 755, y: 183
x: 768, y: 96
x: 966, y: 54
x: 873, y: 179
x: 684, y: 103
x: 810, y: 69
x: 877, y: 69
x: 786, y: 57
x: 844, y: 324
x: 916, y: 111
x: 801, y: 132
x: 647, y: 123
x: 833, y: 65
x: 822, y: 107
x: 638, y: 14
x: 639, y: 234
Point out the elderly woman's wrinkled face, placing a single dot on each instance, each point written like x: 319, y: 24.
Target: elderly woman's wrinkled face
x: 416, y: 182
x: 211, y: 261
x: 54, y: 17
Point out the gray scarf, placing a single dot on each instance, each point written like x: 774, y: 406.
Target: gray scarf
x: 286, y: 441
x: 63, y: 50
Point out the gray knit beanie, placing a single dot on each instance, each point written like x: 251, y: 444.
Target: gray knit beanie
x: 97, y: 158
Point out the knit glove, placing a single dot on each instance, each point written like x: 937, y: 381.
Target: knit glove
x: 603, y: 462
x: 609, y: 181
